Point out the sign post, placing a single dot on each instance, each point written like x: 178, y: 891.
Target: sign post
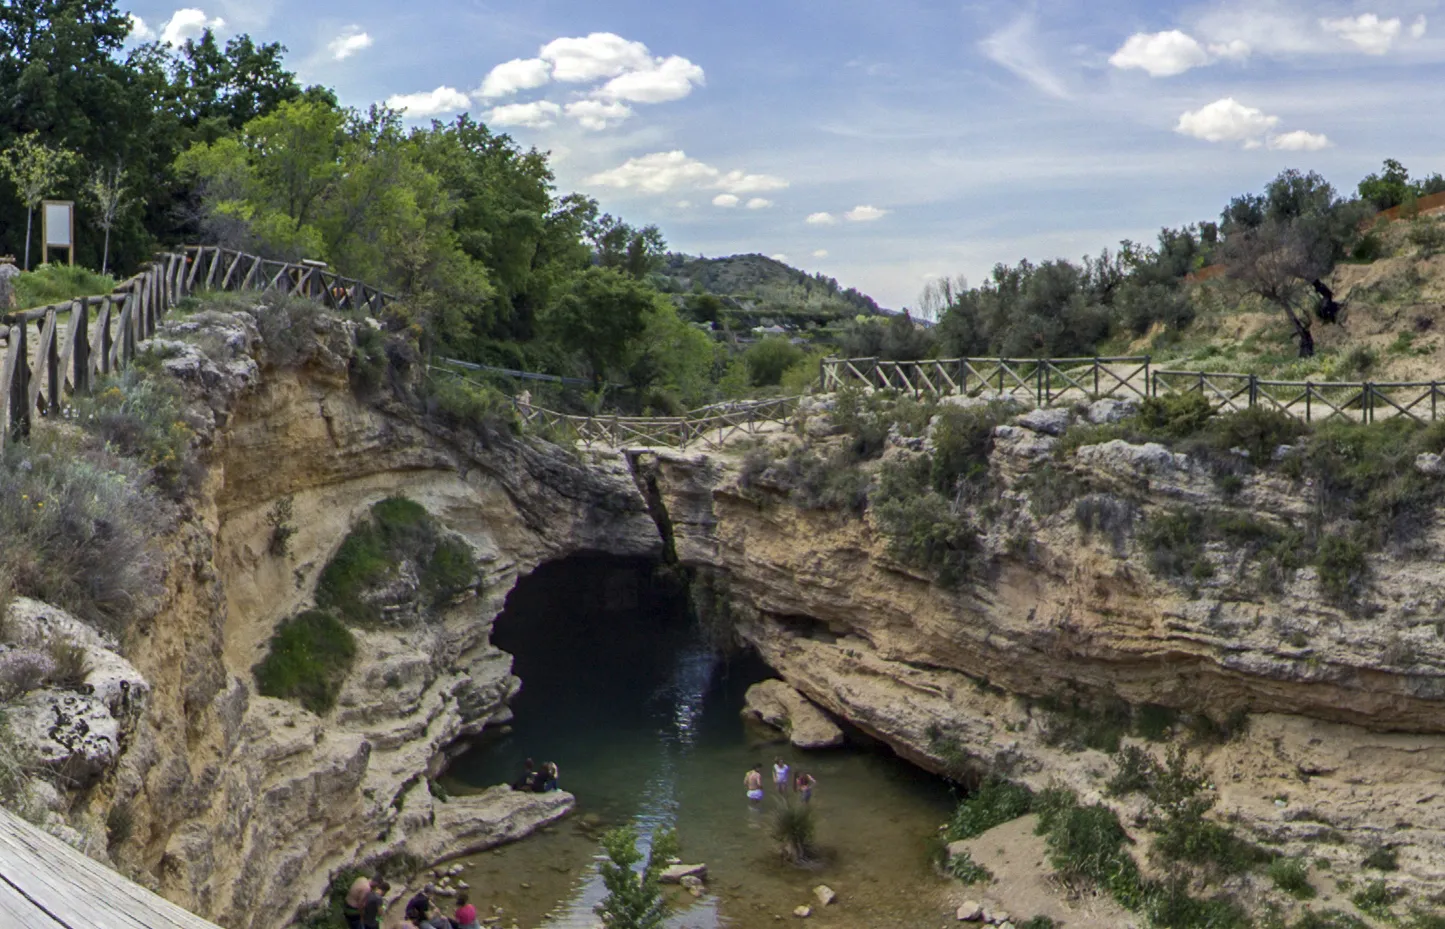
x: 57, y: 228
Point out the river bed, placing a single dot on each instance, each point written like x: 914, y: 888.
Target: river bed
x: 643, y: 721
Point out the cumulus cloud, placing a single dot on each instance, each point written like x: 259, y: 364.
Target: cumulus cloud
x: 139, y: 30
x: 511, y: 76
x: 594, y: 57
x: 759, y: 203
x: 1226, y: 120
x: 1371, y: 34
x: 779, y: 257
x: 821, y: 219
x: 728, y: 201
x: 597, y: 114
x: 1299, y: 141
x: 1234, y: 49
x: 864, y: 214
x: 351, y: 41
x: 1161, y: 54
x: 661, y: 172
x: 189, y: 23
x: 820, y: 253
x: 429, y: 103
x: 538, y: 115
x: 669, y: 79
x: 1417, y: 28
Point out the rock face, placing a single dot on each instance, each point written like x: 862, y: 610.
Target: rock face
x: 782, y: 707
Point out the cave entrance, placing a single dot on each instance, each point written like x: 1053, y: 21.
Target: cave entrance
x: 622, y: 690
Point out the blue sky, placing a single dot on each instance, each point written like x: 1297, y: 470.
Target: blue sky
x: 885, y: 142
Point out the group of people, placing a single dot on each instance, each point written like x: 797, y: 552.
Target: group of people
x: 367, y: 898
x: 784, y: 779
x: 537, y: 780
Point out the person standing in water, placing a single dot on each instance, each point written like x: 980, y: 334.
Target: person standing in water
x: 780, y: 775
x: 804, y: 785
x: 753, y: 783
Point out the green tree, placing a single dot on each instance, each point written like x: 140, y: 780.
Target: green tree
x: 634, y: 898
x: 106, y: 191
x: 599, y: 317
x: 34, y: 168
x: 769, y: 358
x: 635, y: 252
x: 1390, y: 187
x: 219, y: 90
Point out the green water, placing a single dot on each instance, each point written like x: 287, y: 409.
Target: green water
x: 643, y: 722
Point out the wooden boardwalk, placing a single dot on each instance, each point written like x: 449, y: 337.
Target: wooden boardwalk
x: 46, y: 884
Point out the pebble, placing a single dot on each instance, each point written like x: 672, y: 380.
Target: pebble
x: 803, y: 912
x: 825, y: 894
x: 970, y: 912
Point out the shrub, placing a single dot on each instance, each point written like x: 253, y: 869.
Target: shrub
x: 369, y: 361
x: 69, y: 666
x: 962, y: 441
x: 1174, y: 543
x: 769, y: 358
x: 826, y: 480
x: 308, y: 660
x: 993, y: 804
x: 461, y: 404
x: 1170, y: 904
x: 1088, y: 846
x: 1257, y: 430
x: 1135, y: 772
x: 1374, y: 899
x: 1154, y: 722
x: 927, y: 532
x: 1428, y: 235
x: 1174, y: 416
x: 1107, y: 514
x: 15, y: 765
x: 634, y: 897
x: 57, y: 283
x: 396, y: 530
x: 77, y: 535
x: 1292, y: 876
x: 795, y: 828
x: 140, y: 416
x: 1329, y: 919
x: 964, y: 868
x: 1076, y: 724
x: 282, y: 529
x: 288, y: 327
x: 1342, y: 568
x: 1382, y: 859
x: 23, y: 670
x: 1039, y: 922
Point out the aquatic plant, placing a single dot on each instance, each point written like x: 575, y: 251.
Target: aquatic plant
x: 634, y: 899
x: 795, y: 827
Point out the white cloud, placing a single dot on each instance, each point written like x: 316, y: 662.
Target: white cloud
x: 1417, y: 28
x: 189, y: 23
x: 594, y: 57
x: 1234, y: 49
x: 727, y: 201
x: 669, y: 79
x: 684, y: 204
x: 139, y: 30
x: 1371, y: 34
x: 429, y: 103
x: 1015, y: 47
x: 740, y: 182
x: 779, y: 257
x: 821, y: 219
x: 660, y: 172
x: 537, y: 115
x: 821, y: 253
x: 351, y: 41
x: 1161, y: 54
x: 511, y: 76
x: 864, y: 214
x: 597, y: 114
x: 759, y: 203
x: 1299, y: 141
x: 1226, y: 120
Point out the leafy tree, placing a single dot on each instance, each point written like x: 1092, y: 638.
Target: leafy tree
x: 107, y: 192
x: 599, y: 317
x: 34, y: 168
x: 219, y: 90
x: 1276, y: 261
x: 634, y: 898
x: 894, y: 338
x: 617, y: 245
x: 769, y: 358
x: 1388, y: 188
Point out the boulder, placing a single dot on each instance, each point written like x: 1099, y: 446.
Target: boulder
x: 1124, y: 458
x: 675, y: 873
x: 971, y: 911
x: 1430, y: 464
x: 825, y: 894
x: 1047, y: 420
x: 779, y: 705
x: 1109, y: 410
x: 803, y: 912
x: 996, y: 916
x: 1017, y: 442
x: 72, y: 734
x: 692, y: 884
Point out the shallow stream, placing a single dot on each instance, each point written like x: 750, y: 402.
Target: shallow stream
x: 643, y: 721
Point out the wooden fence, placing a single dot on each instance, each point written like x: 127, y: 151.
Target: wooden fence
x: 710, y: 427
x: 54, y: 352
x: 1310, y: 401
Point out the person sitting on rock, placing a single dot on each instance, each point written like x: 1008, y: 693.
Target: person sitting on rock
x: 548, y: 777
x: 528, y: 780
x: 418, y: 908
x: 356, y: 899
x: 375, y: 903
x: 466, y: 915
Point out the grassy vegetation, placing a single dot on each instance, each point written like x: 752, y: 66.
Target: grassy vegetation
x: 1292, y: 876
x: 795, y: 827
x: 58, y: 283
x: 396, y: 531
x: 993, y: 804
x: 467, y: 405
x: 309, y: 657
x: 964, y: 868
x: 138, y: 414
x: 1382, y: 859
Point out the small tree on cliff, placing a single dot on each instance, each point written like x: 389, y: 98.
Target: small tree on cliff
x: 634, y: 898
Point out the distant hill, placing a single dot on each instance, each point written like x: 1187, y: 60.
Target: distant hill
x: 755, y: 288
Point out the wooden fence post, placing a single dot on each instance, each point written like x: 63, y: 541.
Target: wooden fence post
x: 20, y: 384
x: 52, y: 363
x: 81, y: 360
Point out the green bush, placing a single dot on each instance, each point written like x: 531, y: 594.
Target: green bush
x: 1383, y: 858
x: 1257, y: 430
x: 821, y: 479
x: 993, y: 804
x: 119, y: 824
x: 461, y: 404
x: 1135, y: 772
x: 964, y: 868
x: 308, y: 660
x: 369, y: 362
x: 1174, y: 542
x: 1174, y: 416
x: 927, y: 532
x: 1075, y: 723
x: 1154, y: 722
x: 634, y: 897
x: 139, y: 416
x: 395, y: 530
x: 1292, y: 876
x: 769, y: 358
x: 962, y: 440
x: 1170, y: 904
x: 795, y: 828
x: 57, y: 283
x: 1342, y: 568
x: 1039, y: 922
x: 1329, y: 919
x: 1374, y: 899
x: 1088, y: 846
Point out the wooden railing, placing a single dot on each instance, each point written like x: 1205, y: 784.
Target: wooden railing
x: 1310, y: 401
x: 74, y: 343
x: 710, y: 427
x: 1043, y: 380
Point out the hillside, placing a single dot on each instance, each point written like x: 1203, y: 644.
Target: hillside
x: 756, y: 289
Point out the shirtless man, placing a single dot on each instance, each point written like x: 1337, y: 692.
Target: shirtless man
x: 753, y: 782
x: 356, y: 899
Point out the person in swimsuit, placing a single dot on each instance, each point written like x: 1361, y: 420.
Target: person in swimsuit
x: 753, y: 782
x: 804, y: 785
x: 780, y: 775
